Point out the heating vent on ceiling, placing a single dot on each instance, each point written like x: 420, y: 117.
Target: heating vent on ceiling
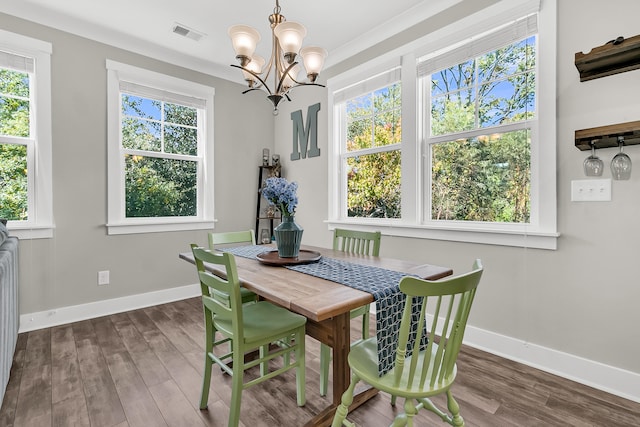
x: 183, y: 30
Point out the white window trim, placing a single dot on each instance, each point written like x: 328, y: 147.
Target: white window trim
x: 543, y: 234
x: 117, y: 223
x: 39, y: 224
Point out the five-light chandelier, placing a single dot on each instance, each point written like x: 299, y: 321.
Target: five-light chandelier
x: 287, y: 41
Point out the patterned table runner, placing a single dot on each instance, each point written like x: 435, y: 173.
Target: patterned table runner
x: 380, y: 282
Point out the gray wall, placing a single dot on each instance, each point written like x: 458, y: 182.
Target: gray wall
x: 580, y: 299
x: 62, y: 271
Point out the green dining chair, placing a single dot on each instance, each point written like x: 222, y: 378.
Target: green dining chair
x: 245, y: 327
x: 425, y: 373
x: 234, y: 238
x: 355, y: 242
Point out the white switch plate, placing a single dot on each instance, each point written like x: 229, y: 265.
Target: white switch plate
x: 591, y: 190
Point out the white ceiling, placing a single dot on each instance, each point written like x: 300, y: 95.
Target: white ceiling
x: 343, y: 27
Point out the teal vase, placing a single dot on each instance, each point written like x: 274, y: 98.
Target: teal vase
x: 288, y: 237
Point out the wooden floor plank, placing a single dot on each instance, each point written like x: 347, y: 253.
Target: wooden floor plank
x: 149, y: 366
x: 103, y: 402
x: 144, y: 367
x: 175, y: 407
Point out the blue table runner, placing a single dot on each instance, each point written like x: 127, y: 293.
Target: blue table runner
x: 380, y: 282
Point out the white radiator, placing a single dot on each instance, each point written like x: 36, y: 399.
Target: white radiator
x: 9, y: 315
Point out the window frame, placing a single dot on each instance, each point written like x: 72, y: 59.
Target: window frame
x: 541, y: 233
x: 39, y: 223
x: 117, y: 222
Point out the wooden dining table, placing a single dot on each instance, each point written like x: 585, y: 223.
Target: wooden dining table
x: 325, y: 304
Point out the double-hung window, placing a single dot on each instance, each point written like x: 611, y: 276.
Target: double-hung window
x: 479, y: 104
x: 465, y: 151
x: 25, y: 136
x: 370, y: 133
x: 159, y: 152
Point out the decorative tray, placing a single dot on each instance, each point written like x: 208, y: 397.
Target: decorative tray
x: 304, y: 257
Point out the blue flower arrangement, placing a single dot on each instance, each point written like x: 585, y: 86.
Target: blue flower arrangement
x: 282, y: 194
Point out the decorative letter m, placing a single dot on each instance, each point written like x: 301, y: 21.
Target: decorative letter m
x: 303, y: 135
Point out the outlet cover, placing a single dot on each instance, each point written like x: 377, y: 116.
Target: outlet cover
x: 103, y: 277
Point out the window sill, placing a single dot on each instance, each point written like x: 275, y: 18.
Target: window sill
x: 32, y: 232
x: 139, y: 227
x: 511, y: 237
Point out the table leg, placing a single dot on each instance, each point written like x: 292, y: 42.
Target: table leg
x: 341, y: 343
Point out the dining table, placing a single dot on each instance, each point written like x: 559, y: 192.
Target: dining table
x: 325, y: 303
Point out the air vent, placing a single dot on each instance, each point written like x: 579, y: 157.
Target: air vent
x: 183, y: 30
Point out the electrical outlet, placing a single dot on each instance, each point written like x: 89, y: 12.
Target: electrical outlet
x: 591, y: 190
x: 103, y: 277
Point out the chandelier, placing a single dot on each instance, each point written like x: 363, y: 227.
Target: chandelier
x: 286, y: 43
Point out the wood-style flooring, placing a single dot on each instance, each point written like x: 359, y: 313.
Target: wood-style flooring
x: 143, y: 368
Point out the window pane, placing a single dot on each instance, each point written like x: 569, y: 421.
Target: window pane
x: 452, y: 79
x: 180, y: 140
x: 14, y: 83
x: 359, y: 134
x: 181, y: 115
x: 13, y: 182
x: 507, y: 101
x: 136, y: 106
x: 373, y: 185
x: 453, y: 112
x: 374, y: 119
x: 482, y: 179
x: 14, y: 103
x: 515, y: 58
x: 157, y: 187
x: 141, y: 134
x: 360, y: 105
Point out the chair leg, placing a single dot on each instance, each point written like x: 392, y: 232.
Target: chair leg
x: 206, y: 381
x: 209, y: 338
x: 236, y: 390
x: 300, y: 370
x: 410, y: 410
x: 365, y: 323
x: 325, y: 360
x: 347, y: 399
x: 454, y: 409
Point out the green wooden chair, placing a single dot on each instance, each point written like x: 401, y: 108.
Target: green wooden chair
x: 234, y: 238
x: 245, y: 327
x: 355, y: 242
x: 445, y: 304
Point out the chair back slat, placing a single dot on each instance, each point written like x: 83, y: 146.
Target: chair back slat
x: 228, y: 308
x: 420, y: 328
x: 357, y: 242
x: 446, y: 305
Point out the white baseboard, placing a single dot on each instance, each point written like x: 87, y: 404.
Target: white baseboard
x: 594, y: 374
x: 610, y: 379
x: 75, y: 313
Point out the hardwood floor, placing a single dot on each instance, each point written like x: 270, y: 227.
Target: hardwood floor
x: 144, y: 367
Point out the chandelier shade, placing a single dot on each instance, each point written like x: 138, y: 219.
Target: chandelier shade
x: 283, y: 64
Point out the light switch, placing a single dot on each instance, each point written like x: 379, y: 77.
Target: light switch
x: 591, y: 190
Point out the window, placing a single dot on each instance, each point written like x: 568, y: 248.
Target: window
x: 25, y: 136
x: 466, y: 150
x: 159, y: 152
x: 370, y: 135
x: 482, y: 114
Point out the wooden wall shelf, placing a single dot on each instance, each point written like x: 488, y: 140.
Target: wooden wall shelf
x: 607, y: 136
x: 609, y: 59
